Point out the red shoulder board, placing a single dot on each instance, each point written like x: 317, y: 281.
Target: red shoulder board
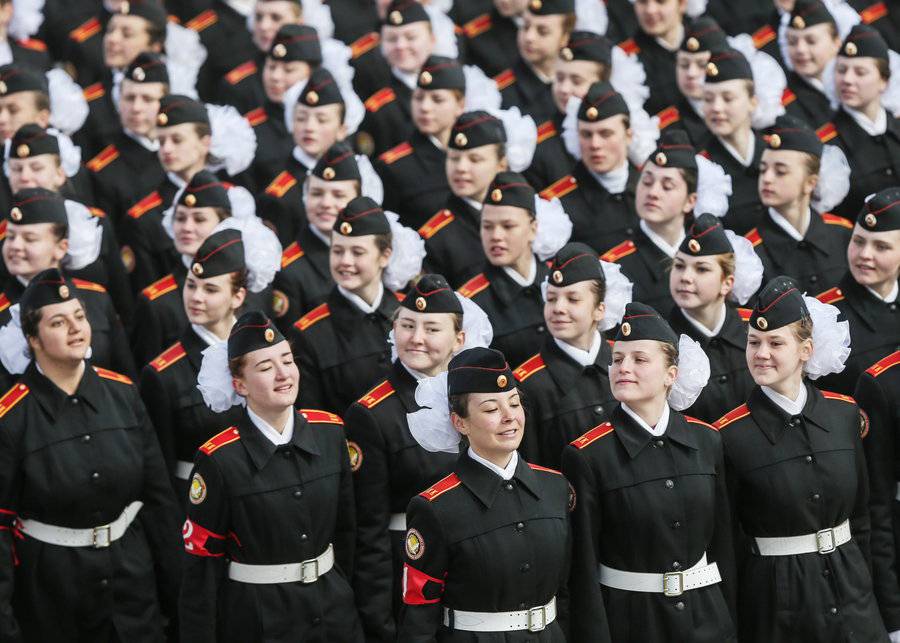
x: 592, y: 436
x: 12, y: 397
x: 694, y: 420
x: 142, y: 207
x: 537, y: 467
x: 399, y: 295
x: 787, y: 97
x: 3, y: 229
x: 831, y: 395
x: 827, y: 132
x: 630, y: 47
x: 873, y: 13
x: 86, y: 30
x: 435, y: 224
x: 881, y: 366
x: 379, y: 99
x: 753, y: 237
x: 833, y: 219
x: 229, y: 435
x: 256, y: 117
x: 477, y: 26
x: 831, y: 296
x: 4, y: 302
x: 82, y: 284
x: 33, y: 44
x: 364, y: 44
x: 546, y: 130
x: 396, y: 153
x: 316, y: 416
x: 93, y: 92
x: 168, y: 357
x: 291, y: 254
x: 377, y: 395
x: 159, y: 288
x: 745, y: 313
x: 107, y: 374
x: 560, y: 188
x: 504, y: 79
x: 474, y: 286
x: 317, y: 314
x: 529, y: 367
x: 732, y: 416
x: 668, y: 116
x: 240, y: 72
x: 620, y: 251
x: 281, y: 184
x: 763, y: 36
x: 441, y: 487
x: 200, y: 22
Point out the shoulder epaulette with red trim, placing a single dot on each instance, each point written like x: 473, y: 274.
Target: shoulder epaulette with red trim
x: 86, y: 30
x: 240, y: 72
x: 441, y: 487
x: 745, y: 314
x: 97, y: 212
x: 364, y: 44
x: 831, y: 296
x: 83, y: 284
x: 256, y: 116
x: 831, y: 395
x: 160, y: 287
x: 107, y: 374
x: 291, y: 254
x: 630, y: 47
x: 33, y: 44
x: 753, y: 237
x: 436, y: 223
x: 529, y: 367
x: 787, y: 97
x: 93, y: 92
x: 694, y: 420
x: 281, y: 184
x: 168, y: 357
x: 315, y: 416
x: 546, y: 130
x: 377, y: 395
x: 396, y: 153
x: 142, y: 207
x: 537, y: 467
x: 881, y: 366
x: 504, y: 79
x: 379, y: 99
x: 12, y: 397
x: 833, y: 219
x: 202, y: 21
x: 620, y: 251
x: 477, y: 26
x: 317, y: 314
x: 827, y: 132
x: 4, y: 302
x: 732, y: 416
x: 668, y: 116
x: 229, y: 435
x: 474, y: 286
x: 3, y: 229
x: 763, y: 36
x: 559, y: 189
x: 873, y: 12
x: 592, y: 436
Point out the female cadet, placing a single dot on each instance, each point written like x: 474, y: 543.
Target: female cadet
x: 867, y: 132
x: 566, y: 384
x: 651, y: 510
x: 513, y: 240
x: 342, y: 343
x: 233, y: 259
x: 487, y: 547
x: 89, y: 537
x: 713, y: 265
x: 430, y: 326
x: 797, y: 478
x: 271, y: 525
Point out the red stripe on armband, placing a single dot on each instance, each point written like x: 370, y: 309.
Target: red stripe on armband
x: 197, y: 540
x: 414, y: 585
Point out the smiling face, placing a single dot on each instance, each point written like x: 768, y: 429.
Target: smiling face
x: 324, y: 200
x: 495, y: 424
x: 507, y: 233
x: 874, y: 257
x: 63, y: 333
x: 426, y: 341
x: 408, y: 46
x: 811, y: 49
x: 30, y: 249
x: 356, y: 262
x: 640, y: 371
x: 659, y: 17
x: 662, y: 194
x: 212, y: 300
x: 269, y: 379
x: 776, y: 358
x: 470, y: 172
x: 573, y: 313
x: 604, y: 143
x: 696, y: 282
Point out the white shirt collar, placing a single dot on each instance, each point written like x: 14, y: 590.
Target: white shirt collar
x: 6, y: 55
x: 322, y: 236
x: 657, y: 430
x: 505, y: 473
x: 148, y: 144
x: 785, y: 225
x: 410, y: 79
x: 661, y: 243
x: 177, y: 180
x: 613, y: 181
x: 585, y: 358
x: 697, y: 105
x: 815, y: 83
x: 308, y: 161
x: 789, y: 406
x: 751, y: 149
x: 872, y: 128
x: 513, y: 274
x: 472, y: 202
x: 665, y: 45
x: 703, y: 329
x: 891, y: 296
x: 118, y: 75
x: 206, y: 335
x: 269, y: 431
x: 416, y: 374
x: 359, y: 302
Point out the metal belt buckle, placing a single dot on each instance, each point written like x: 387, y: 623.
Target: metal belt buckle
x: 537, y: 618
x: 313, y: 575
x: 673, y: 583
x: 102, y: 536
x: 825, y: 541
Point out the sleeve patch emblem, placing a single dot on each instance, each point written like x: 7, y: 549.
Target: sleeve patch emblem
x: 415, y: 545
x: 198, y: 489
x: 356, y: 455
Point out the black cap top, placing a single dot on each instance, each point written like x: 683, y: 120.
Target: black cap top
x: 789, y: 133
x: 338, y: 163
x: 510, y: 188
x: 251, y: 332
x: 46, y: 288
x: 643, y: 322
x: 147, y: 68
x: 601, y: 101
x: 37, y: 205
x: 32, y: 140
x: 474, y: 129
x: 706, y: 237
x: 432, y: 294
x: 881, y: 213
x: 296, y: 42
x: 320, y: 89
x: 479, y: 370
x: 864, y: 41
x: 808, y: 13
x: 149, y: 10
x: 674, y: 149
x: 16, y: 78
x: 728, y: 64
x: 575, y: 262
x: 404, y: 12
x: 205, y: 191
x: 779, y: 303
x: 586, y: 45
x: 550, y: 7
x: 176, y: 109
x: 362, y: 216
x: 703, y: 34
x: 220, y: 253
x: 440, y: 72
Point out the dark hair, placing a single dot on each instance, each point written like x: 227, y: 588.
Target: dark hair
x: 598, y: 287
x: 202, y: 129
x: 813, y: 164
x: 32, y: 319
x: 884, y: 68
x: 60, y: 230
x: 157, y: 33
x: 690, y: 178
x: 41, y: 101
x: 236, y: 365
x: 384, y: 241
x: 238, y: 280
x: 459, y: 404
x: 457, y: 319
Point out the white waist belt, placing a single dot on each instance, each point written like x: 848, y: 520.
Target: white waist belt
x: 96, y: 537
x: 308, y: 571
x: 398, y: 522
x: 670, y: 583
x: 824, y: 541
x: 183, y: 470
x: 533, y: 620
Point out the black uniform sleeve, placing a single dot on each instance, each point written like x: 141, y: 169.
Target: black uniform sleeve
x: 311, y: 394
x: 119, y: 286
x: 156, y: 399
x: 721, y: 547
x: 121, y: 359
x: 10, y: 490
x: 147, y: 336
x: 860, y: 524
x: 345, y: 530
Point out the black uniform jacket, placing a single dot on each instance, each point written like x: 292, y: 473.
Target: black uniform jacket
x: 481, y: 544
x: 389, y: 468
x: 648, y: 504
x: 744, y: 208
x: 242, y: 85
x: 77, y: 461
x: 147, y: 249
x: 273, y: 142
x: 160, y: 318
x: 883, y: 15
x: 342, y: 351
x: 683, y: 116
x: 561, y: 398
x: 488, y: 39
x: 802, y: 100
x: 280, y: 204
x: 647, y: 267
x: 659, y: 65
x: 521, y: 87
x: 790, y: 476
x: 388, y: 120
x: 551, y: 161
x: 415, y: 180
x: 304, y: 280
x: 516, y: 312
x: 453, y: 241
x: 259, y: 504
